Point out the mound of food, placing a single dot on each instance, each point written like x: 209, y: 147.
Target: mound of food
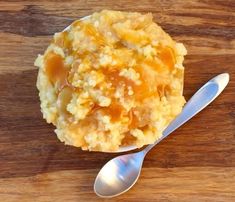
x: 110, y: 80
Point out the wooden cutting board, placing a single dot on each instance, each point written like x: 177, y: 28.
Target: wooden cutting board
x: 196, y: 163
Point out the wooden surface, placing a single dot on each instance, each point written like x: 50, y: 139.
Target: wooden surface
x: 196, y: 163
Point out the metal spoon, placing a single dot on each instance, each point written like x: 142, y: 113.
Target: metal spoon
x: 121, y: 173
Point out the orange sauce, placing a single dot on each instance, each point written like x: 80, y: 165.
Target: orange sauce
x: 112, y: 76
x: 148, y: 87
x: 149, y: 69
x: 167, y: 57
x: 55, y: 69
x: 128, y: 139
x: 94, y: 108
x: 115, y: 110
x: 142, y: 91
x: 133, y: 120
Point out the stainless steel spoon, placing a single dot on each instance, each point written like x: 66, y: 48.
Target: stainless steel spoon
x: 121, y: 173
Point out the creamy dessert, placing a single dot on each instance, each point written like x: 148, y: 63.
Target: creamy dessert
x: 111, y: 80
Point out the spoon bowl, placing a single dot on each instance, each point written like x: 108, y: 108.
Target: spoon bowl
x: 120, y: 173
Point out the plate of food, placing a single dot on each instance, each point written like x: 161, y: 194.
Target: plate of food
x: 111, y: 81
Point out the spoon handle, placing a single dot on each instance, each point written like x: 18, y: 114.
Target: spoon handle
x: 203, y: 97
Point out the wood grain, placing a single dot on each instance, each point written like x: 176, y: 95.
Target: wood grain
x: 197, y: 163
